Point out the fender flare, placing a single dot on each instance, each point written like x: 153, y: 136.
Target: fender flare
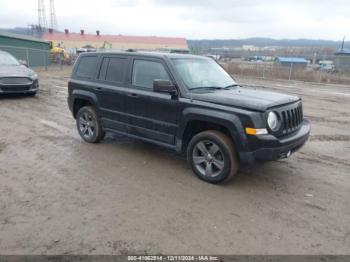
x: 85, y: 95
x: 227, y: 120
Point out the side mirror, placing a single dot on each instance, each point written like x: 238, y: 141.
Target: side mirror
x: 164, y: 86
x: 23, y: 62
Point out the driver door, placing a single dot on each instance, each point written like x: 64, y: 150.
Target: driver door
x: 152, y: 115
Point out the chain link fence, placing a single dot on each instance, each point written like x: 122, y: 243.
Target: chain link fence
x: 39, y: 58
x: 61, y: 59
x: 270, y: 70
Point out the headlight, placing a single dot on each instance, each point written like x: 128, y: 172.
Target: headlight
x: 34, y: 76
x: 272, y: 121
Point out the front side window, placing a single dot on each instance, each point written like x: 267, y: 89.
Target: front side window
x: 202, y: 73
x: 145, y: 72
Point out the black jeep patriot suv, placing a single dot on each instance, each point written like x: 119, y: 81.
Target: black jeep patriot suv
x: 186, y: 103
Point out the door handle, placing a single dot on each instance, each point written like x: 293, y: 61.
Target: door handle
x: 98, y: 88
x: 132, y: 95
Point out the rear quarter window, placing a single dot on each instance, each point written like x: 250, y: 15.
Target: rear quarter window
x: 86, y: 67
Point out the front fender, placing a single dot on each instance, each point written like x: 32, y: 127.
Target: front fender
x: 227, y: 120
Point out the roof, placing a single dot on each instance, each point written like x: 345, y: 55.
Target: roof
x: 114, y: 38
x: 283, y: 59
x: 22, y: 37
x: 147, y: 54
x: 344, y: 52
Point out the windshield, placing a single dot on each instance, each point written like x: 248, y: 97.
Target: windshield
x: 202, y: 73
x: 7, y: 59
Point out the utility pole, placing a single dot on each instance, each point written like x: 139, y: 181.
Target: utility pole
x: 342, y: 45
x: 290, y: 70
x: 42, y: 22
x: 53, y: 19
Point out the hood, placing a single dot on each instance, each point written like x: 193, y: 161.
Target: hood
x: 15, y: 71
x: 246, y: 97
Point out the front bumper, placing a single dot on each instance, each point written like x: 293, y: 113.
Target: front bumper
x: 20, y: 89
x: 272, y: 148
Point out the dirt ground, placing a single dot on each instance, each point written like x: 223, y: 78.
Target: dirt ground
x: 59, y: 195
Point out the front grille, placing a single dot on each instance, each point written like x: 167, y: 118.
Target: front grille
x: 14, y: 88
x: 15, y: 81
x: 291, y: 119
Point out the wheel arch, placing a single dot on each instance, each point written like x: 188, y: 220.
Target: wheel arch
x: 83, y: 98
x: 197, y: 120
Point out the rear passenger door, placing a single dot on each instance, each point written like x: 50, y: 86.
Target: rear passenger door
x: 112, y: 91
x: 152, y: 115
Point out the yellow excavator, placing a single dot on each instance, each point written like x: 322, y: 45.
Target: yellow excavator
x: 59, y: 55
x: 106, y: 45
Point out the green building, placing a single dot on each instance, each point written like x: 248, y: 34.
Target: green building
x: 34, y: 51
x: 342, y: 60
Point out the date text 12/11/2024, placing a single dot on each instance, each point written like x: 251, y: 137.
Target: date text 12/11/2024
x: 173, y: 258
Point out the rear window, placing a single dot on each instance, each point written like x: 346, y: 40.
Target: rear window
x: 87, y: 66
x: 113, y: 69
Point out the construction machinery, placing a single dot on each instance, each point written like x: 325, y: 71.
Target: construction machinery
x: 106, y: 45
x: 59, y: 55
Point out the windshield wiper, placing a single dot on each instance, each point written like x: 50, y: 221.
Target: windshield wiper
x: 206, y: 87
x: 214, y: 87
x: 233, y: 85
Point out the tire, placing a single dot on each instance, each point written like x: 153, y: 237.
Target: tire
x: 212, y: 157
x: 88, y: 125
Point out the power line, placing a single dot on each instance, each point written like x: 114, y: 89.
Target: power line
x: 42, y: 22
x: 53, y: 19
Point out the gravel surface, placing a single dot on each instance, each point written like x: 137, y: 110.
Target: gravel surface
x: 60, y: 195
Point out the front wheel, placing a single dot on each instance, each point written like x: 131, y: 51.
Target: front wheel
x: 212, y: 156
x: 88, y: 124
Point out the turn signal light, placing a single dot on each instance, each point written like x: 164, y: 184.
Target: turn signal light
x: 255, y: 131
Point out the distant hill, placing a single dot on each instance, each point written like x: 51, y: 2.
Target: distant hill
x: 262, y: 42
x: 17, y: 30
x: 23, y: 31
x: 219, y: 43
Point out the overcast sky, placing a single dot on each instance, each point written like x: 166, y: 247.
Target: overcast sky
x: 193, y: 19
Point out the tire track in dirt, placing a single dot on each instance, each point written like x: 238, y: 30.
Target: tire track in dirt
x: 326, y: 138
x: 3, y: 146
x: 323, y: 159
x: 327, y: 120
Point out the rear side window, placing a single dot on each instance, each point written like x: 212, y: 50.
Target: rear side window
x: 113, y: 69
x: 87, y: 66
x: 144, y: 72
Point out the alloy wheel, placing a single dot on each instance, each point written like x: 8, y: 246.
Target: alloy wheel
x: 208, y: 158
x: 87, y: 125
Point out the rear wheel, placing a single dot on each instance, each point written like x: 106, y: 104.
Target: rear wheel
x: 88, y: 124
x: 212, y: 156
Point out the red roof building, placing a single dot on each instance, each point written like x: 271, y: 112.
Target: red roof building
x: 79, y: 40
